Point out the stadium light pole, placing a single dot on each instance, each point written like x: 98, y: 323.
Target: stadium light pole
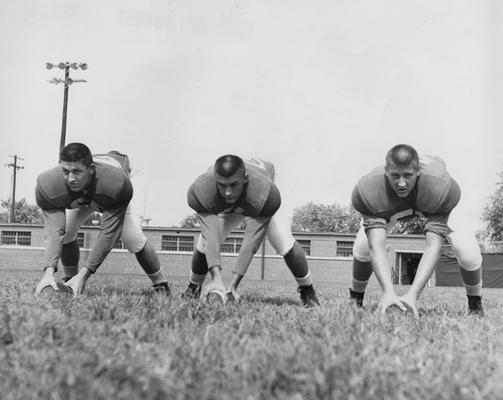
x: 67, y: 81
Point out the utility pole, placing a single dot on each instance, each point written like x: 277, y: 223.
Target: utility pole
x: 67, y: 81
x: 13, y: 193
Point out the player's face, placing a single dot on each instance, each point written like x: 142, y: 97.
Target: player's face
x: 402, y: 179
x: 77, y: 175
x: 231, y: 188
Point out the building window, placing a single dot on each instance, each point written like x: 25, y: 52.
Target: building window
x: 119, y: 245
x: 177, y: 243
x: 306, y: 246
x: 15, y: 238
x: 80, y: 239
x: 344, y: 248
x: 231, y: 245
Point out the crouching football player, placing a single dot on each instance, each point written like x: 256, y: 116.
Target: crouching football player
x: 68, y: 194
x: 223, y: 196
x: 408, y: 185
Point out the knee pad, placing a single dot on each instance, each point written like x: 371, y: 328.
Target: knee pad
x: 361, y: 250
x: 134, y: 244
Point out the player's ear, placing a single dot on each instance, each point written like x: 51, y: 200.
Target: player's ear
x: 92, y: 168
x: 246, y: 178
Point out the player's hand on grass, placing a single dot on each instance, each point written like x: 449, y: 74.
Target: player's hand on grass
x: 213, y: 285
x: 232, y: 295
x: 409, y: 303
x: 47, y: 281
x: 78, y: 282
x: 388, y: 300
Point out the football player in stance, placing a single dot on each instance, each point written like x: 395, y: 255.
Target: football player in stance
x: 223, y: 196
x: 68, y: 194
x: 405, y: 186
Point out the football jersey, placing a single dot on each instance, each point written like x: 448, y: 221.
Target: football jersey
x: 260, y: 197
x: 434, y: 196
x: 110, y: 189
x: 109, y: 193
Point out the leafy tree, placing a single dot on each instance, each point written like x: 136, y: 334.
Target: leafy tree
x: 493, y: 213
x: 313, y: 217
x: 190, y: 222
x: 412, y: 225
x: 24, y: 213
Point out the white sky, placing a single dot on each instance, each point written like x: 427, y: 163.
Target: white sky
x: 321, y: 88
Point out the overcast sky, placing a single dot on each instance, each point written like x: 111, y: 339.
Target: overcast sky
x: 320, y: 88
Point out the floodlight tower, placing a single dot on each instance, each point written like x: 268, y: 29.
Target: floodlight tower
x: 67, y: 81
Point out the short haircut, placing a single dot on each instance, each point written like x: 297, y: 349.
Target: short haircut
x: 229, y: 165
x: 75, y: 152
x: 403, y: 155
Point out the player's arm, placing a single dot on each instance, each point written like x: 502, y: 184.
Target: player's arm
x: 54, y: 226
x: 111, y: 229
x: 256, y: 229
x: 436, y: 229
x: 382, y: 270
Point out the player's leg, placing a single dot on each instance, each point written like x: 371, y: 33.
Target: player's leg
x: 281, y: 238
x: 199, y: 264
x: 464, y: 244
x: 136, y: 242
x: 70, y: 252
x: 467, y: 252
x: 362, y: 268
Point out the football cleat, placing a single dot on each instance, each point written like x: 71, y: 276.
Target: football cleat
x: 162, y: 288
x: 356, y: 298
x: 193, y: 291
x: 308, y: 296
x: 475, y: 306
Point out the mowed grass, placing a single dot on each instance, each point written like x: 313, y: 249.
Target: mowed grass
x: 120, y: 342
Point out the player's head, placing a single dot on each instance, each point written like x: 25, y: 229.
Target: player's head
x: 230, y: 174
x: 402, y: 169
x: 76, y: 162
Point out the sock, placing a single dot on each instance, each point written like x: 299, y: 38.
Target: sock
x: 472, y: 280
x: 197, y: 279
x: 296, y: 261
x: 305, y: 280
x: 362, y: 271
x: 70, y: 255
x: 157, y: 277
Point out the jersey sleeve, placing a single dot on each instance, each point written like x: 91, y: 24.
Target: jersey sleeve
x: 51, y: 192
x: 210, y: 226
x: 256, y: 229
x: 373, y: 222
x: 54, y: 227
x: 112, y: 222
x: 437, y: 224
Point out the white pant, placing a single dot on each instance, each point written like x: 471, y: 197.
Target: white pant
x: 461, y: 239
x: 278, y: 231
x: 132, y: 235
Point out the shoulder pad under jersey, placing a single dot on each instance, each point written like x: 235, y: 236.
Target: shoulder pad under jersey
x: 437, y: 192
x: 260, y: 167
x: 51, y: 191
x: 112, y: 187
x: 203, y: 194
x: 370, y: 195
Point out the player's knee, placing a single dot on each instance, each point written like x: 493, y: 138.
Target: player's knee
x: 134, y: 244
x: 470, y: 262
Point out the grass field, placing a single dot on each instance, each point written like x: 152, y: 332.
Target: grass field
x: 120, y: 342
